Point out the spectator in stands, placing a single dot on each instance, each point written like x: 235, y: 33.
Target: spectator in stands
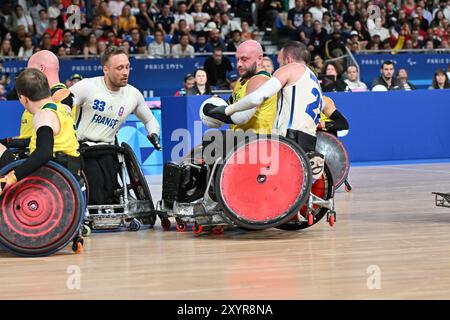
x: 159, y: 48
x: 272, y: 9
x: 90, y: 48
x: 332, y: 69
x: 386, y: 81
x: 101, y: 47
x: 182, y: 29
x: 318, y: 64
x: 6, y: 50
x: 104, y: 14
x: 189, y: 82
x: 444, y: 7
x: 317, y: 39
x: 22, y: 19
x: 402, y: 77
x: 335, y: 46
x: 418, y: 16
x: 295, y: 19
x: 228, y: 26
x: 326, y: 23
x: 143, y: 19
x: 416, y: 39
x: 201, y: 86
x: 61, y: 52
x: 183, y: 49
x: 317, y: 10
x: 111, y: 38
x: 41, y: 23
x: 201, y: 45
x: 126, y: 20
x: 210, y: 7
x: 409, y: 6
x: 438, y: 18
x: 27, y: 49
x: 246, y: 33
x: 137, y: 44
x: 352, y: 81
x: 200, y: 18
x: 182, y: 14
x: 307, y: 28
x: 440, y: 80
x: 215, y: 40
x: 35, y: 9
x: 236, y: 40
x: 18, y: 39
x: 56, y: 34
x: 116, y: 7
x: 363, y: 35
x: 46, y: 42
x: 351, y: 16
x: 165, y: 21
x: 68, y: 43
x: 267, y: 64
x: 126, y: 46
x: 217, y: 67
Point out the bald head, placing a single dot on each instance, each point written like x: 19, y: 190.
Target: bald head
x: 47, y: 62
x: 249, y: 58
x: 251, y: 46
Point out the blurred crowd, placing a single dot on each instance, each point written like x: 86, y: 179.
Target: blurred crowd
x: 155, y: 29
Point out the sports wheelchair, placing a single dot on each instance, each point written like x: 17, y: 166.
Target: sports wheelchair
x: 133, y: 206
x: 42, y: 213
x: 263, y: 181
x: 333, y: 150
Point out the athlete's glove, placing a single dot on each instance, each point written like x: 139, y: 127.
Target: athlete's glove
x: 216, y: 112
x: 154, y: 139
x: 8, y: 180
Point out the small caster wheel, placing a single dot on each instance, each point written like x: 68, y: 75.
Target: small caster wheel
x: 310, y: 219
x: 181, y: 227
x: 331, y: 218
x: 135, y: 225
x: 197, y: 229
x: 165, y: 223
x: 218, y: 229
x: 77, y: 245
x: 86, y: 232
x: 348, y: 186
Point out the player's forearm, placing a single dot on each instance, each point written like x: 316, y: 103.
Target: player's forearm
x: 254, y: 99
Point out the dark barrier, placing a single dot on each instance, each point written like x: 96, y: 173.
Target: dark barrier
x: 384, y: 126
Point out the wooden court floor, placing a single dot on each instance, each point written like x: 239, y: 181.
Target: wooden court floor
x: 389, y: 242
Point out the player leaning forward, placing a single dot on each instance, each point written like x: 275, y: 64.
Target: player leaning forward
x: 103, y: 104
x: 299, y: 101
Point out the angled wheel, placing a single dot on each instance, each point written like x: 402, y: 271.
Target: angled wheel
x: 323, y: 188
x: 263, y: 182
x: 42, y: 213
x: 137, y: 181
x: 335, y: 155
